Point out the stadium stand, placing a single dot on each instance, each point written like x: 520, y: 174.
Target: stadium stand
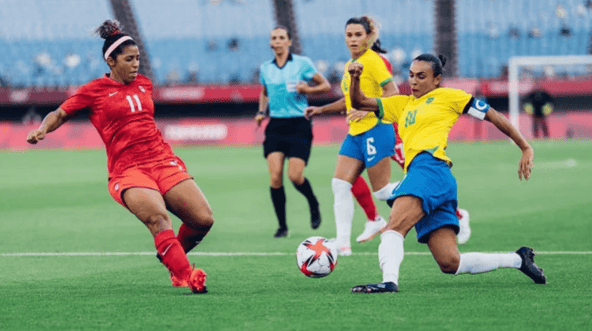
x: 490, y: 32
x: 217, y: 41
x: 323, y: 35
x: 50, y: 43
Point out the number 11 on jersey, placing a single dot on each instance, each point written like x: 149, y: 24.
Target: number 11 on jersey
x: 131, y: 103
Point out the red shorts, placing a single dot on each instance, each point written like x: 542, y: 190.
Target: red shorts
x: 160, y: 176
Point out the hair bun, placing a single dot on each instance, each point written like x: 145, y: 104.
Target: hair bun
x: 108, y: 28
x: 442, y: 59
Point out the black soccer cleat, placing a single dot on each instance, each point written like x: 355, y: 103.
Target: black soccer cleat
x: 528, y: 267
x: 376, y: 288
x: 315, y: 217
x: 281, y: 233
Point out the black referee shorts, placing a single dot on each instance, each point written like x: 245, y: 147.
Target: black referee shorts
x: 291, y: 136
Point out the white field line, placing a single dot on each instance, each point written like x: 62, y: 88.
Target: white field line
x: 569, y: 163
x: 38, y: 254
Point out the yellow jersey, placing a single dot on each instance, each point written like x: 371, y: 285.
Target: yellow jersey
x: 374, y: 76
x: 424, y: 123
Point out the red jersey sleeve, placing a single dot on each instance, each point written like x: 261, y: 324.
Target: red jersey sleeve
x: 83, y: 98
x: 388, y: 64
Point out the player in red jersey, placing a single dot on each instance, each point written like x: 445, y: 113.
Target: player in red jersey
x: 144, y: 174
x: 362, y: 193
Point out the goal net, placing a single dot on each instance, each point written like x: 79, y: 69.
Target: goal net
x: 552, y: 72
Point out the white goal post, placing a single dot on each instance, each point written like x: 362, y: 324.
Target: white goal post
x: 519, y: 61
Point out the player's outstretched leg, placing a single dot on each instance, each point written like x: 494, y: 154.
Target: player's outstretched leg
x: 523, y: 260
x: 528, y: 267
x: 465, y: 230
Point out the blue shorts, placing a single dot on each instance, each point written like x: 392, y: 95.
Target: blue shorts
x: 370, y: 146
x: 431, y: 180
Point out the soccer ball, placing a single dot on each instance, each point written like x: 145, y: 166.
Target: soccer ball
x: 316, y: 257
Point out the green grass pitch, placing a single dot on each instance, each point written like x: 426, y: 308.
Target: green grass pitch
x: 56, y: 201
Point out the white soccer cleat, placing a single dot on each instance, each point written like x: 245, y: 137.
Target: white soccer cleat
x: 342, y: 249
x: 371, y: 229
x: 465, y: 230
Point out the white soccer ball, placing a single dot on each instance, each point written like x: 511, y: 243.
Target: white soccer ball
x: 316, y: 257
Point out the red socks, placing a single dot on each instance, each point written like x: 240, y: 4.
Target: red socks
x: 172, y: 254
x: 361, y: 191
x: 189, y: 238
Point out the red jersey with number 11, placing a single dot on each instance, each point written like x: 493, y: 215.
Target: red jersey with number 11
x: 123, y: 114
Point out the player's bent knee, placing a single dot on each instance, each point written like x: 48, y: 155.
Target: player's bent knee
x: 449, y: 265
x: 207, y: 221
x: 297, y: 178
x: 155, y: 219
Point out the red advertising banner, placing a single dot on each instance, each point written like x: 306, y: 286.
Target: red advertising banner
x: 250, y: 93
x: 233, y: 132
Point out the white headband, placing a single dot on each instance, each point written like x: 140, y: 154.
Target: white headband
x: 115, y: 45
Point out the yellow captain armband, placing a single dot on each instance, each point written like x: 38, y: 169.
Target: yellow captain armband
x: 547, y: 108
x: 529, y: 109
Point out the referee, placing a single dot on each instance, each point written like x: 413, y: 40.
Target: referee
x: 288, y: 133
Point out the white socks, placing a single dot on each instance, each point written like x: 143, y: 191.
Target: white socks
x: 390, y: 255
x: 386, y: 192
x: 475, y: 263
x: 344, y: 210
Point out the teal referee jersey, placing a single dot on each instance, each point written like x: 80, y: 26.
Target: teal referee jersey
x: 280, y: 83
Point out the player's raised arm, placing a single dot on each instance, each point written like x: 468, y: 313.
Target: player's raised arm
x: 509, y: 130
x: 359, y: 101
x: 50, y: 123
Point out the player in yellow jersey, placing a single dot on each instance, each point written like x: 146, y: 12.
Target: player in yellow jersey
x: 370, y: 142
x: 427, y: 197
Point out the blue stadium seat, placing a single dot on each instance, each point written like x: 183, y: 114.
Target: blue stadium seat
x: 33, y: 27
x: 178, y: 33
x: 483, y: 53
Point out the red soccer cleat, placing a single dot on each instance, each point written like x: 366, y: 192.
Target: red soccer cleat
x: 197, y: 281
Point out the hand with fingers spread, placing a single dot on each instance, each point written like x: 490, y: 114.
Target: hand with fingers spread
x: 525, y: 165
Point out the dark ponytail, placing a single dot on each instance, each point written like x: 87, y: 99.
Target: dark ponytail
x: 437, y: 62
x: 111, y: 32
x: 378, y: 48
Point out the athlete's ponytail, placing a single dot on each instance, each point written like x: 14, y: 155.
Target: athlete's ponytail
x: 115, y: 40
x: 378, y: 48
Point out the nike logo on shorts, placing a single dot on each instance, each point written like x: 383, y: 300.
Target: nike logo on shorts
x: 112, y: 94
